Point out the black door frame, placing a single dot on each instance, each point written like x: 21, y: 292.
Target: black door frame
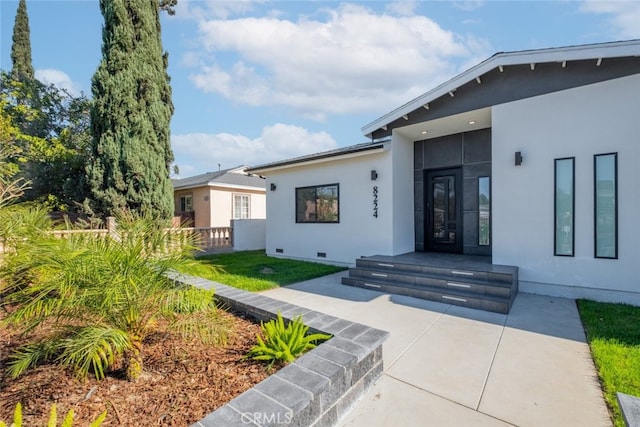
x: 429, y: 243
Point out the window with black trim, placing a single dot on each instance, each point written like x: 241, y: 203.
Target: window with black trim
x: 484, y: 211
x: 564, y: 206
x: 605, y: 186
x: 318, y: 203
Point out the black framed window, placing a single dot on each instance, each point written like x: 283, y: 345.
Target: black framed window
x: 320, y: 203
x: 605, y: 186
x: 484, y: 211
x: 564, y: 206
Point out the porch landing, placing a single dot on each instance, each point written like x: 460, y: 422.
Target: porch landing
x: 465, y: 280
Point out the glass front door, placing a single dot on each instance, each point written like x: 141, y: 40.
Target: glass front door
x: 444, y: 210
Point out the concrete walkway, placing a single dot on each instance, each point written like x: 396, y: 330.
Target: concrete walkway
x: 452, y: 366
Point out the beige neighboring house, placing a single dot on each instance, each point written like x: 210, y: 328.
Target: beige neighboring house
x: 213, y: 199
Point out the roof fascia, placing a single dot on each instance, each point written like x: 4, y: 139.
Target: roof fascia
x: 427, y: 97
x: 189, y: 186
x: 571, y: 53
x: 315, y: 161
x: 210, y: 184
x: 236, y: 187
x: 237, y: 170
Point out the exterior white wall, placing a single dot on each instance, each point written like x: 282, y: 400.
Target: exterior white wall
x: 221, y: 202
x: 403, y: 198
x: 357, y: 234
x: 580, y: 122
x: 249, y: 234
x: 258, y: 206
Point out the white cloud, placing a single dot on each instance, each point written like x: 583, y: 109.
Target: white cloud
x: 624, y: 15
x: 402, y: 7
x: 343, y: 60
x: 58, y: 78
x: 201, y: 152
x: 468, y: 5
x: 222, y: 9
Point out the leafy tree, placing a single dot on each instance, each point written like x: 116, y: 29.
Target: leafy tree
x: 131, y: 113
x: 38, y: 109
x: 10, y: 151
x: 11, y: 187
x: 11, y: 159
x: 21, y: 47
x: 22, y: 101
x: 57, y: 166
x: 48, y: 132
x: 101, y: 297
x: 168, y: 6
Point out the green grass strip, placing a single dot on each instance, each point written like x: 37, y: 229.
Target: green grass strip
x: 255, y: 271
x: 613, y: 333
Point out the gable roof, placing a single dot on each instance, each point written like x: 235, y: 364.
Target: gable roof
x: 350, y: 151
x: 233, y: 178
x: 562, y: 55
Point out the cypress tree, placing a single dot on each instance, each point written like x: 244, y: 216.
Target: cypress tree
x: 131, y: 114
x: 21, y: 47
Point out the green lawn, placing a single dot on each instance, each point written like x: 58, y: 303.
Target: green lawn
x: 613, y: 333
x: 254, y: 271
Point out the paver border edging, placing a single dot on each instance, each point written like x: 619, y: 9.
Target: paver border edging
x: 318, y: 388
x: 630, y: 408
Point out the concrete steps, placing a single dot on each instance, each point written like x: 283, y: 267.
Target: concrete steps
x: 466, y: 283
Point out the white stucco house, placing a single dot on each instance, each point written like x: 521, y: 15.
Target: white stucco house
x: 529, y: 159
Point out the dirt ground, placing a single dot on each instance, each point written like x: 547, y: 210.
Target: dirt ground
x: 182, y: 382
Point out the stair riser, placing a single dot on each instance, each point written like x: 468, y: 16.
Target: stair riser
x: 440, y: 272
x: 416, y: 290
x: 406, y: 278
x: 470, y: 284
x: 442, y: 284
x: 432, y: 295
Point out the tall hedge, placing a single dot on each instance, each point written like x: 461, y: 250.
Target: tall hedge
x: 131, y: 114
x: 21, y: 46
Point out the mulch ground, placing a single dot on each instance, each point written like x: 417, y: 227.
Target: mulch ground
x: 183, y: 381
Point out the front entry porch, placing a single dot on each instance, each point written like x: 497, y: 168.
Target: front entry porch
x: 466, y: 280
x: 452, y: 193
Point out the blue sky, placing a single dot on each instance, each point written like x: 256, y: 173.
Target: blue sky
x: 258, y: 81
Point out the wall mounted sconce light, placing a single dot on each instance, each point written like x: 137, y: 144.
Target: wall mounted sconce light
x: 374, y: 175
x: 273, y: 187
x: 518, y: 158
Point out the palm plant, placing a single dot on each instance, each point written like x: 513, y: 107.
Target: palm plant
x: 11, y: 190
x: 53, y: 418
x: 103, y: 296
x: 17, y: 222
x: 284, y: 342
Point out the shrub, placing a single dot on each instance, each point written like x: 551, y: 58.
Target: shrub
x: 103, y: 296
x: 53, y: 418
x: 280, y: 342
